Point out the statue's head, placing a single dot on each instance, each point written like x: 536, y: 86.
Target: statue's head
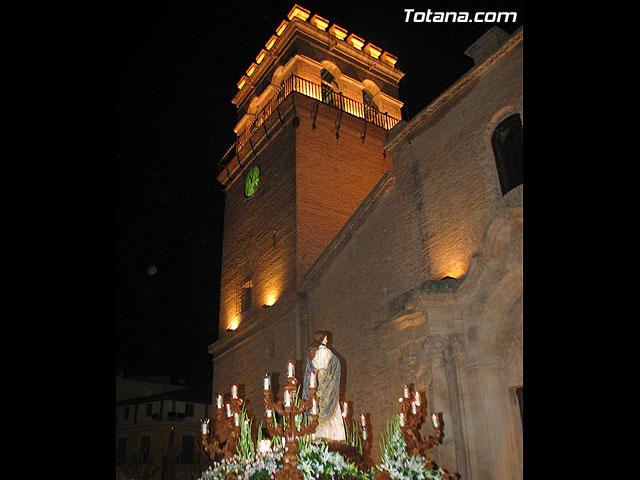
x: 320, y: 337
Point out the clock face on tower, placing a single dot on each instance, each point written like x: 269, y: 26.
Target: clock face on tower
x: 251, y: 182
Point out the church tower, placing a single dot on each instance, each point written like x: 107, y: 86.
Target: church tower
x: 314, y: 110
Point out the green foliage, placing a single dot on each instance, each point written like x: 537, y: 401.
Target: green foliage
x: 316, y: 461
x: 395, y: 460
x: 352, y: 437
x: 245, y: 447
x: 257, y: 467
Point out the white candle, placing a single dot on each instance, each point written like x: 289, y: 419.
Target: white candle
x: 264, y: 446
x: 413, y: 408
x: 287, y: 398
x: 346, y: 409
x: 291, y: 370
x: 312, y: 379
x: 418, y: 400
x: 205, y: 426
x: 401, y: 420
x: 229, y: 410
x: 269, y: 413
x: 266, y: 383
x: 236, y: 419
x: 405, y: 390
x: 314, y: 407
x: 219, y: 401
x: 234, y: 391
x: 364, y: 433
x: 434, y: 420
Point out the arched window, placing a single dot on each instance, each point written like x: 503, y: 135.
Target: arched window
x: 369, y: 92
x: 328, y: 82
x: 370, y: 107
x: 507, y: 150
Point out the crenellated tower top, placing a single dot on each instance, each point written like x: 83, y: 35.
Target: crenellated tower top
x: 311, y: 48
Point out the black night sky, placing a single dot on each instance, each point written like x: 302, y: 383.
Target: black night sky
x: 177, y: 64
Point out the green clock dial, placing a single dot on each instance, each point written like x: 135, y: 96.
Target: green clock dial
x: 251, y: 183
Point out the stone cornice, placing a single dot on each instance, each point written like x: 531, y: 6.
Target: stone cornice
x: 254, y: 326
x: 425, y: 115
x: 375, y: 66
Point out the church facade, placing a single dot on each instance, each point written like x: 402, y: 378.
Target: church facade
x: 403, y: 239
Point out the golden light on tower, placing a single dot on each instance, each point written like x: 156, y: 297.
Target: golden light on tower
x: 319, y: 22
x: 261, y: 56
x: 281, y: 27
x: 372, y: 50
x: 338, y: 32
x: 271, y: 299
x: 233, y: 325
x: 270, y: 42
x: 456, y: 269
x: 390, y: 59
x: 298, y: 12
x: 355, y: 41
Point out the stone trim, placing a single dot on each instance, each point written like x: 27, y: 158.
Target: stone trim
x: 426, y: 114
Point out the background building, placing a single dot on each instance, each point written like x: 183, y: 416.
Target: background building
x: 404, y: 239
x: 150, y: 428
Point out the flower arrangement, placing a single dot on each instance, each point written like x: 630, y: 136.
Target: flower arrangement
x: 259, y: 466
x: 396, y: 461
x: 315, y: 461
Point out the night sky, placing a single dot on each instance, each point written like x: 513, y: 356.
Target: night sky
x: 177, y: 65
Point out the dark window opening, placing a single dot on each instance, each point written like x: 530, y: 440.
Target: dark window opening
x: 370, y: 107
x: 507, y: 150
x: 328, y: 84
x: 245, y: 294
x: 188, y: 450
x: 145, y: 441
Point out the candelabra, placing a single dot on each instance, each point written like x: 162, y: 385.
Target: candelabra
x: 413, y: 412
x: 353, y: 450
x: 229, y: 417
x: 287, y: 429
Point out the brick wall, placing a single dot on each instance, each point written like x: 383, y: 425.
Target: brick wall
x: 448, y: 166
x: 259, y: 232
x: 427, y: 226
x: 352, y: 295
x: 333, y: 175
x: 268, y: 350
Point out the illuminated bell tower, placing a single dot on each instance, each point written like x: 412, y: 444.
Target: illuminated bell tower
x: 314, y: 110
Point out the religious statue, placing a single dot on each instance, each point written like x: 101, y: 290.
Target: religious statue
x: 320, y: 359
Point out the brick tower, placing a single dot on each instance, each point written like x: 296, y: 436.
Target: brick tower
x: 314, y: 110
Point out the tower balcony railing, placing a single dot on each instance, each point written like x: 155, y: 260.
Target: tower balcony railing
x: 321, y: 93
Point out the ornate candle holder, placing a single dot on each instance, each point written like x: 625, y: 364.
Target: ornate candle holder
x: 413, y: 412
x: 229, y: 416
x: 366, y: 437
x: 287, y: 429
